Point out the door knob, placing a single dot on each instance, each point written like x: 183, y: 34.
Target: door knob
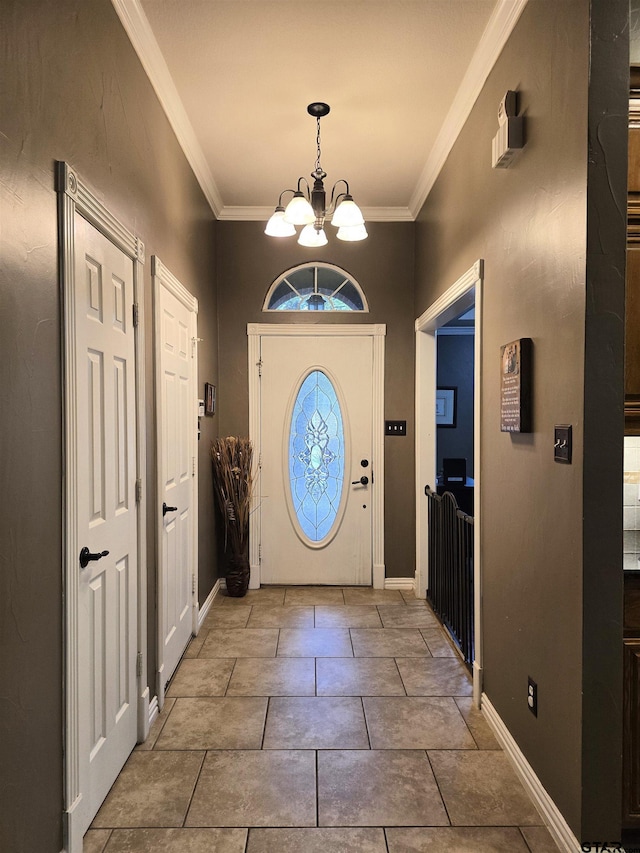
x: 363, y: 481
x: 364, y: 462
x: 87, y: 557
x: 166, y: 509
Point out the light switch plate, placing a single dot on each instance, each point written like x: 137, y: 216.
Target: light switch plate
x: 562, y: 443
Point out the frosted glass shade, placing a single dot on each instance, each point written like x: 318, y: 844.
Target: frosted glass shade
x: 311, y: 238
x: 299, y: 211
x: 347, y: 215
x: 277, y: 227
x: 352, y: 233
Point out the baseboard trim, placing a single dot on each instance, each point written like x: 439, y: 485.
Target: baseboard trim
x: 403, y: 584
x: 206, y: 606
x: 555, y: 822
x: 154, y: 710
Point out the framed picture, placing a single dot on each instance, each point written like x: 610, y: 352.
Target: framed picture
x: 209, y: 399
x: 446, y: 407
x: 515, y: 386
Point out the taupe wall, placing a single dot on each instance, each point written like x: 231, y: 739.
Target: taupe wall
x: 543, y: 568
x: 72, y: 89
x: 249, y: 261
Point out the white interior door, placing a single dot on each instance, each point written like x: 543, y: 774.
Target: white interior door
x: 106, y: 512
x: 318, y: 471
x: 177, y: 432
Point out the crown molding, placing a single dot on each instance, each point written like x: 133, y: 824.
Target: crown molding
x: 259, y: 214
x: 497, y: 31
x: 499, y: 28
x: 138, y: 29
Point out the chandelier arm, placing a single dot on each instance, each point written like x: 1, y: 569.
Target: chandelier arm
x: 308, y: 187
x: 336, y: 198
x: 281, y: 194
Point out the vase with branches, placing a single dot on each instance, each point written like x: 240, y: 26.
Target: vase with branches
x: 233, y: 479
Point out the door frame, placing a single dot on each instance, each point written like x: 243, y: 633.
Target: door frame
x: 377, y: 331
x: 74, y: 197
x: 162, y: 277
x: 462, y: 295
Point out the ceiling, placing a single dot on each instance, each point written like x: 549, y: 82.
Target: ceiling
x: 235, y: 78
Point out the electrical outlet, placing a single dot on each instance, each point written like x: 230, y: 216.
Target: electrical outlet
x: 532, y: 696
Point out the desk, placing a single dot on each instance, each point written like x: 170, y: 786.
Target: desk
x: 462, y: 492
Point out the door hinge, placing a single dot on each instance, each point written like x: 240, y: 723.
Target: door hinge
x: 193, y: 466
x: 193, y: 584
x: 135, y: 314
x: 260, y: 553
x: 138, y: 491
x: 259, y: 366
x: 260, y: 460
x: 139, y: 665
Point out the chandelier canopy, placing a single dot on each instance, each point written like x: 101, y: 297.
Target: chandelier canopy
x: 308, y: 206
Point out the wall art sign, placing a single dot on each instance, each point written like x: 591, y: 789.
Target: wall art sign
x: 515, y: 386
x: 446, y: 407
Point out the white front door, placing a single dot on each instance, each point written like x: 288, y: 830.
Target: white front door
x: 177, y: 428
x: 317, y: 466
x: 106, y: 512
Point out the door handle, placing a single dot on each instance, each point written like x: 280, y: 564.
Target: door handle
x: 87, y: 557
x: 166, y: 509
x: 363, y: 481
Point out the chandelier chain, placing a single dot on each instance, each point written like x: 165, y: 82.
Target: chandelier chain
x: 318, y: 166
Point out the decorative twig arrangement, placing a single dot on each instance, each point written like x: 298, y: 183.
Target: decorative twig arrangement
x: 233, y: 485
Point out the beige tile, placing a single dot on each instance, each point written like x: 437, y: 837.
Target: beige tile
x: 416, y: 723
x: 281, y: 617
x: 157, y: 726
x: 201, y: 677
x: 481, y: 789
x: 357, y: 616
x: 193, y: 649
x: 315, y: 642
x: 410, y: 598
x: 439, y: 644
x: 388, y: 642
x: 269, y: 596
x: 255, y: 788
x: 377, y: 788
x: 153, y: 789
x: 177, y: 841
x: 475, y: 720
x: 95, y: 840
x: 407, y: 617
x: 312, y: 595
x: 343, y: 840
x: 454, y: 839
x: 435, y: 677
x: 226, y: 617
x: 240, y: 643
x: 358, y: 677
x: 317, y: 722
x: 539, y: 839
x: 273, y: 677
x: 368, y: 595
x: 215, y: 723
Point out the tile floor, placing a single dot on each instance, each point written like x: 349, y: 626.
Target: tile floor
x: 319, y: 720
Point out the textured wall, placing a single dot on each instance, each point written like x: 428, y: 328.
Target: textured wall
x: 542, y: 567
x: 249, y: 261
x: 72, y: 89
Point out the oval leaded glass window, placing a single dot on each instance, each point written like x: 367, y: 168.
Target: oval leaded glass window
x: 316, y: 456
x: 315, y: 287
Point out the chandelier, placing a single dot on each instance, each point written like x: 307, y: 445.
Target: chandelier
x: 308, y: 207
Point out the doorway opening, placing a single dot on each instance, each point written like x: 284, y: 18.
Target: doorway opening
x: 431, y: 406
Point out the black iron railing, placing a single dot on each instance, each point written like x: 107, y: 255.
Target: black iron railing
x: 450, y: 582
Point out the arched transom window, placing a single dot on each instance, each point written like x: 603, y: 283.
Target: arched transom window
x: 315, y: 287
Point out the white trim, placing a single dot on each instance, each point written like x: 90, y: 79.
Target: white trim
x: 497, y: 31
x: 255, y: 332
x: 404, y: 584
x: 313, y: 265
x: 137, y: 27
x: 500, y: 26
x: 75, y: 197
x: 154, y: 711
x: 237, y: 213
x: 464, y: 293
x: 555, y: 822
x: 206, y: 606
x: 163, y: 277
